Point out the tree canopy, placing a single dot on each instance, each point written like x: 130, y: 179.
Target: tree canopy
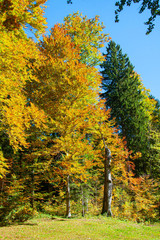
x: 128, y: 100
x: 152, y: 5
x: 60, y: 148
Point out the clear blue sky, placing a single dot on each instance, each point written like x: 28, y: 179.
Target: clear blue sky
x: 143, y: 50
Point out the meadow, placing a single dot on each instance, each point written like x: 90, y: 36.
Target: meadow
x: 96, y: 228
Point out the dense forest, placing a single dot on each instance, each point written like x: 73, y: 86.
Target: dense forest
x: 79, y: 132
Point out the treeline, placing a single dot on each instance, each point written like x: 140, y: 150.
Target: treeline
x: 73, y: 140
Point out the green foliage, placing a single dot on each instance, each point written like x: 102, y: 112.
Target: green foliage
x: 87, y: 35
x: 15, y: 206
x: 156, y: 114
x: 55, y: 209
x: 123, y: 95
x: 16, y: 215
x: 154, y: 139
x: 155, y: 153
x: 52, y: 121
x: 152, y: 5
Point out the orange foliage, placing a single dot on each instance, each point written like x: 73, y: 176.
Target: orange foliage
x: 66, y: 89
x: 16, y: 14
x: 18, y: 55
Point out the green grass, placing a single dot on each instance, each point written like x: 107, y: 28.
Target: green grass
x: 69, y: 229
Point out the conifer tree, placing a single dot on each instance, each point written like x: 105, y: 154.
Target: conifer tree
x: 155, y: 140
x: 122, y: 91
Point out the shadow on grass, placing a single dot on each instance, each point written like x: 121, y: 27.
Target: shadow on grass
x: 17, y: 224
x: 35, y: 223
x: 27, y: 224
x: 59, y: 219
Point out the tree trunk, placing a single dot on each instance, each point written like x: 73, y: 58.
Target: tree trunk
x: 83, y: 203
x: 2, y: 189
x: 32, y: 189
x: 87, y: 205
x: 96, y: 202
x: 107, y: 197
x: 68, y: 206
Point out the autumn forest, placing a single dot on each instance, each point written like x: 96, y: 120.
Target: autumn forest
x: 79, y: 132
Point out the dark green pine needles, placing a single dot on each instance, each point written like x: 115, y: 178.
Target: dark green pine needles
x: 121, y: 89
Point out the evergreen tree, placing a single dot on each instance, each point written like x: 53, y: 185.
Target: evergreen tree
x: 156, y: 113
x: 123, y: 94
x: 155, y: 140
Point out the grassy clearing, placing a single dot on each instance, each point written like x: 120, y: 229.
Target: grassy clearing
x: 71, y: 229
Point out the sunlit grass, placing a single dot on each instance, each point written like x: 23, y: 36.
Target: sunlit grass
x: 70, y: 229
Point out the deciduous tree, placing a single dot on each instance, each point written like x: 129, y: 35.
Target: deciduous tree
x: 152, y: 5
x: 16, y: 65
x: 68, y: 85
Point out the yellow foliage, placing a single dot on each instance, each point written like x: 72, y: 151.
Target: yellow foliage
x: 16, y: 64
x: 3, y: 165
x: 16, y: 14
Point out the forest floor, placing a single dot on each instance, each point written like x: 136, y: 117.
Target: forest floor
x: 85, y: 228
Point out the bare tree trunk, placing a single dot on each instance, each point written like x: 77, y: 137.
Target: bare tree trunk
x: 83, y: 203
x: 87, y: 205
x: 107, y: 197
x: 96, y: 202
x: 68, y: 206
x: 32, y: 189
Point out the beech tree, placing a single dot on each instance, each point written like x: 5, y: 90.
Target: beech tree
x: 106, y: 141
x: 68, y: 85
x: 17, y: 52
x: 17, y: 114
x: 15, y: 15
x: 54, y: 129
x: 87, y: 34
x: 15, y: 64
x: 128, y: 193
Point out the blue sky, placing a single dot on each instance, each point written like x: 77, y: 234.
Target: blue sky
x: 143, y: 50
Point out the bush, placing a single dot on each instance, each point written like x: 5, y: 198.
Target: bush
x: 18, y: 214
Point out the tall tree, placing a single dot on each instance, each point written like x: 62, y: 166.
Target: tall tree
x: 122, y: 91
x: 17, y: 114
x: 110, y: 146
x: 154, y: 138
x: 66, y: 89
x: 16, y: 64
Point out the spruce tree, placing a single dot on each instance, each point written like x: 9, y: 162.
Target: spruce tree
x: 154, y: 138
x: 121, y: 89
